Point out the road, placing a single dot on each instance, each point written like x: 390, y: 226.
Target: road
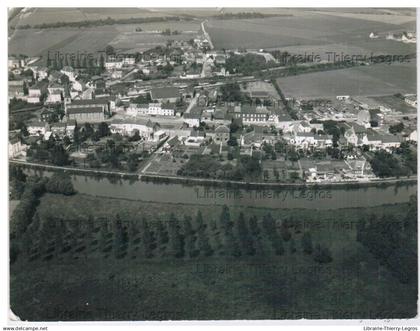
x: 205, y: 180
x: 206, y: 34
x: 49, y: 166
x: 192, y: 103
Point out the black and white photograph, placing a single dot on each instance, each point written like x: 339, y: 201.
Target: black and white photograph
x: 210, y: 164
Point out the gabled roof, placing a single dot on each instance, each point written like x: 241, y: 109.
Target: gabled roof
x: 165, y: 92
x: 81, y: 110
x: 101, y: 101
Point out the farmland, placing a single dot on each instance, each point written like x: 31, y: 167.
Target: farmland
x: 372, y: 80
x: 308, y: 29
x: 34, y: 16
x: 36, y: 42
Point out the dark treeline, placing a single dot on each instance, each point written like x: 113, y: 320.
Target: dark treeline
x: 393, y: 242
x: 107, y: 21
x: 247, y: 15
x: 29, y: 191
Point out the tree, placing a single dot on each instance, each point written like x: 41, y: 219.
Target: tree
x: 162, y: 234
x: 59, y: 156
x: 103, y: 129
x: 265, y: 173
x: 203, y: 243
x: 285, y: 233
x: 292, y: 246
x: 322, y: 254
x: 307, y: 243
x: 199, y: 224
x: 120, y: 237
x: 109, y: 50
x: 224, y: 218
x: 253, y: 225
x: 189, y: 243
x: 103, y: 236
x: 60, y: 183
x: 146, y: 239
x: 233, y: 141
x: 176, y: 247
x: 276, y: 174
x: 396, y: 128
x: 247, y: 245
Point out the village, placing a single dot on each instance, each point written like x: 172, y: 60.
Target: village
x: 186, y: 110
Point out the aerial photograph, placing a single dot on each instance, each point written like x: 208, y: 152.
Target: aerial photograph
x: 212, y: 164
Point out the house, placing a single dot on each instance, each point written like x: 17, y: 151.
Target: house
x: 220, y: 59
x: 40, y: 73
x: 70, y: 127
x: 84, y: 104
x: 412, y: 136
x: 87, y: 94
x: 69, y: 72
x: 55, y: 76
x: 55, y: 88
x: 16, y: 147
x: 35, y: 92
x: 86, y: 114
x: 411, y: 100
x: 192, y: 118
x: 282, y: 120
x: 302, y: 126
x: 363, y: 118
x: 171, y: 144
x: 153, y: 109
x: 165, y: 94
x: 129, y: 60
x: 116, y: 74
x: 113, y: 64
x: 37, y: 128
x: 58, y: 129
x: 351, y: 137
x: 195, y: 139
x: 222, y: 134
x: 159, y: 135
x: 390, y: 141
x: 381, y: 141
x: 161, y: 109
x: 15, y: 62
x: 16, y: 89
x: 307, y: 140
x: 54, y: 98
x: 252, y: 115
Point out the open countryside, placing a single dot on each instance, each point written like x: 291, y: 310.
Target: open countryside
x: 212, y: 164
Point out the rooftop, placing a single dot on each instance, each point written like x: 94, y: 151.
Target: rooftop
x: 165, y: 92
x: 81, y: 110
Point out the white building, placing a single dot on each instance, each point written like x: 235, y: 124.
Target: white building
x: 69, y: 72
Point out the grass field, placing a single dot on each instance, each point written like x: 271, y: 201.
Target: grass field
x: 34, y: 42
x: 308, y: 29
x: 374, y: 80
x: 85, y: 283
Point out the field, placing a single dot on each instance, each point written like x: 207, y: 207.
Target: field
x: 76, y: 284
x: 313, y: 31
x: 374, y: 80
x: 123, y: 37
x: 33, y: 16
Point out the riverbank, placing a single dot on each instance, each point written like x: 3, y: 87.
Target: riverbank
x: 228, y: 184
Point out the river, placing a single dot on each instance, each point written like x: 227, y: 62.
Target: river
x: 309, y: 198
